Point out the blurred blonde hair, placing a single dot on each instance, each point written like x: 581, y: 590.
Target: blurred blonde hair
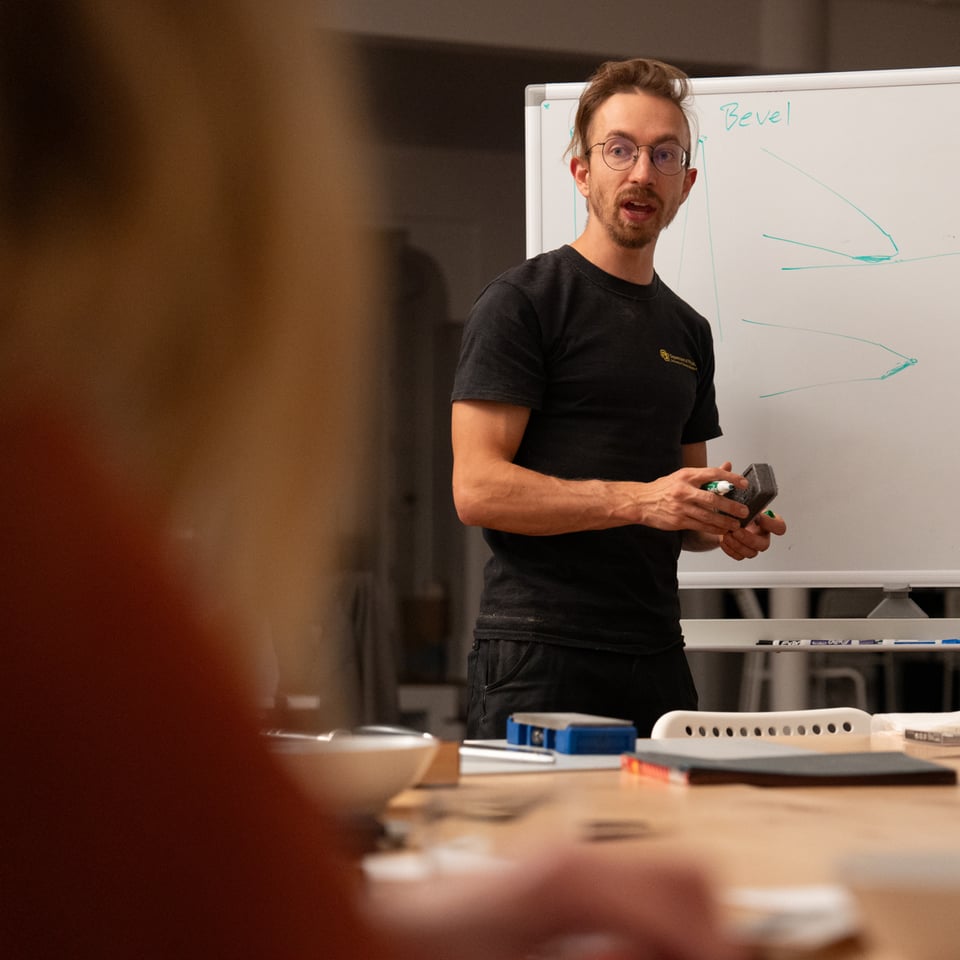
x: 182, y: 265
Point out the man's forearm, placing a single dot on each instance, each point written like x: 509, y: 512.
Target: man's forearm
x: 517, y: 500
x: 696, y: 541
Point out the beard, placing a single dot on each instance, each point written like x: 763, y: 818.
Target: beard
x: 626, y: 233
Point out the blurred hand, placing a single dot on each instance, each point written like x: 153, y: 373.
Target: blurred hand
x: 572, y: 905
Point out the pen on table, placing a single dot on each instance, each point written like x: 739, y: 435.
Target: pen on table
x: 722, y: 487
x: 498, y: 751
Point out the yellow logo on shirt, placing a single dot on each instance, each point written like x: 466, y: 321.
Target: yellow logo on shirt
x: 668, y: 357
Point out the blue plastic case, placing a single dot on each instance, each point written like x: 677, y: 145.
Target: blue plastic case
x: 572, y: 732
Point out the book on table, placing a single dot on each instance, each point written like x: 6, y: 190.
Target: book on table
x: 765, y: 763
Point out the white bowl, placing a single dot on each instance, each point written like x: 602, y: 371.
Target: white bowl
x: 909, y: 901
x: 357, y: 774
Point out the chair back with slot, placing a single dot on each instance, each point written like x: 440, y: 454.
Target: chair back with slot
x: 831, y: 721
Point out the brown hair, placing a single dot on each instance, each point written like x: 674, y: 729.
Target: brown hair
x: 626, y: 76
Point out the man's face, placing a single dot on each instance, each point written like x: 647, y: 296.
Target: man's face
x: 635, y: 204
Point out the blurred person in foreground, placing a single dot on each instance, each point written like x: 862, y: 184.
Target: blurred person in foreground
x: 182, y: 347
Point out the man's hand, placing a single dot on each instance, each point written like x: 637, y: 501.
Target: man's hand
x: 747, y: 542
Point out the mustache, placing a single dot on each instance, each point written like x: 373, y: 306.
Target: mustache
x: 638, y: 195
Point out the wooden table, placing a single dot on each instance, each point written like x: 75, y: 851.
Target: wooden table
x: 743, y: 836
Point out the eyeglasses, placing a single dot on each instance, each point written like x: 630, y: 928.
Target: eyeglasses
x: 621, y: 153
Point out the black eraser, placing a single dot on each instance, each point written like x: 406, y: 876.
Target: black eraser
x: 762, y: 489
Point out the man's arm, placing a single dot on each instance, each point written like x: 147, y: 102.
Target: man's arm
x: 490, y: 490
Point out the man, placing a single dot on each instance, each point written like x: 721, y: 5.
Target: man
x: 583, y: 403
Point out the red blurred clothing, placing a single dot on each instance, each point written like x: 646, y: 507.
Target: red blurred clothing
x: 140, y: 815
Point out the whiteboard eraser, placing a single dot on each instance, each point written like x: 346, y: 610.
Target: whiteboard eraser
x: 762, y: 489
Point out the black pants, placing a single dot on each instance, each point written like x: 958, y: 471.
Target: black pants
x: 510, y: 676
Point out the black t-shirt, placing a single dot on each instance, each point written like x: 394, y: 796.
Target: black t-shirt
x: 617, y: 377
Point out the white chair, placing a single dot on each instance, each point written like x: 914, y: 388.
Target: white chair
x: 831, y: 721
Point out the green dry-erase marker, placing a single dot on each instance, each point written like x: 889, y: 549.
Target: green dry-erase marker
x: 722, y: 487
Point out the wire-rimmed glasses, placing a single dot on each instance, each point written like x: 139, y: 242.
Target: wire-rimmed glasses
x: 621, y: 153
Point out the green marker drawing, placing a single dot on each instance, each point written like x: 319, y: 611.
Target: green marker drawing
x: 905, y: 362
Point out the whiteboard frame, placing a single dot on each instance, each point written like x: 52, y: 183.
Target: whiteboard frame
x: 854, y: 635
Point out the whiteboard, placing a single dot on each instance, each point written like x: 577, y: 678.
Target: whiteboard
x: 822, y: 242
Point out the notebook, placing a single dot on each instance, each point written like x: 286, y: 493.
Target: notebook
x: 766, y: 764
